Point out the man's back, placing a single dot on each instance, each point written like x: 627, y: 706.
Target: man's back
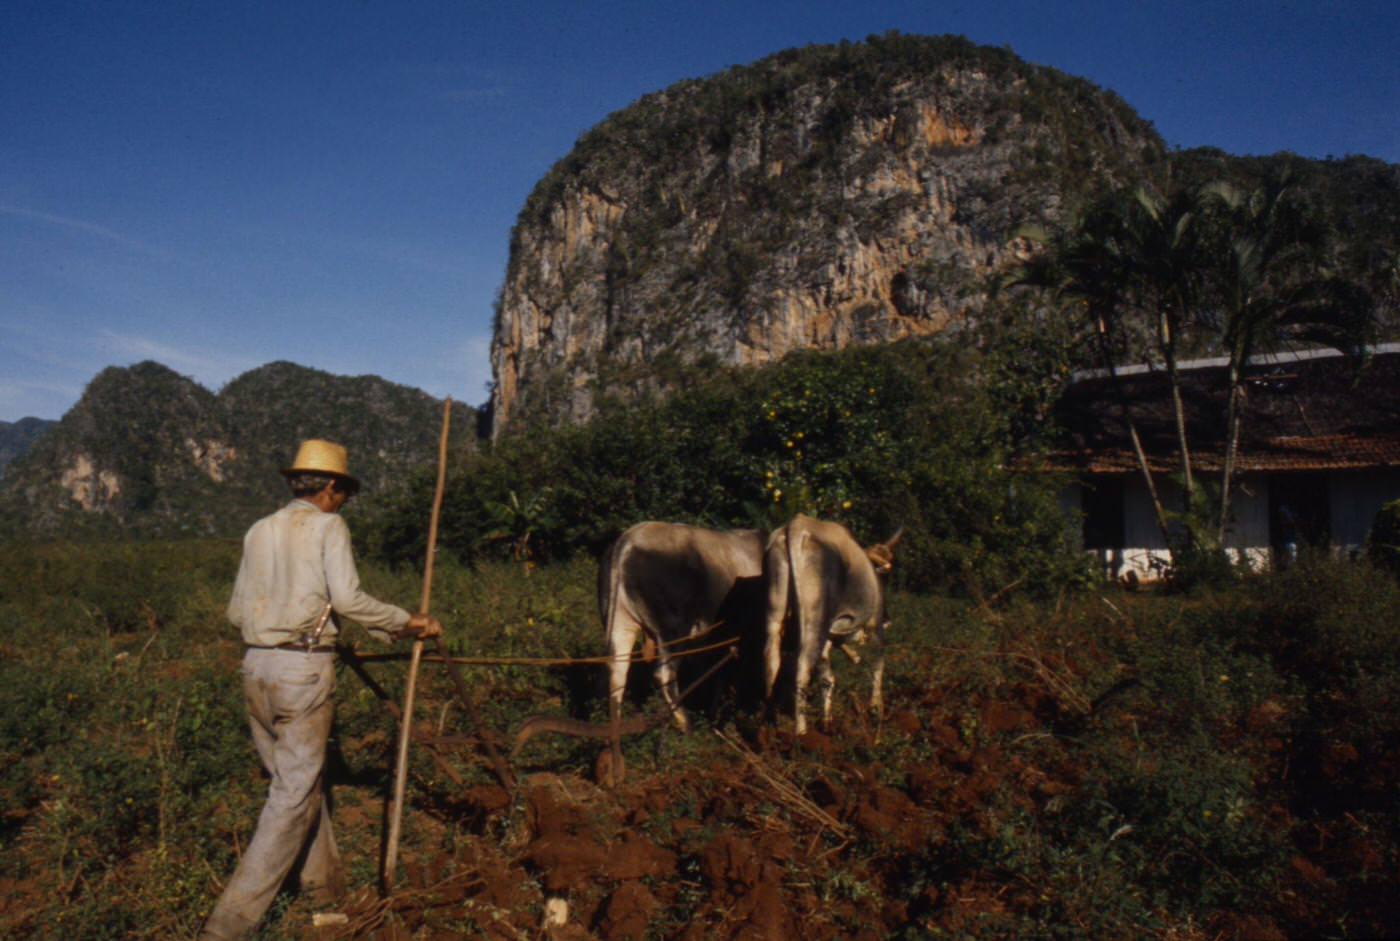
x: 294, y: 561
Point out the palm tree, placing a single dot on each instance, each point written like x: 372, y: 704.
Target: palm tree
x: 1133, y: 263
x: 517, y: 521
x: 1164, y: 249
x: 1273, y: 285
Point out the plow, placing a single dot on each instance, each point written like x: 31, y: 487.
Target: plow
x: 478, y: 739
x: 487, y: 745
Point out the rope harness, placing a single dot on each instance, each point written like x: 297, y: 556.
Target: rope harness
x: 556, y: 661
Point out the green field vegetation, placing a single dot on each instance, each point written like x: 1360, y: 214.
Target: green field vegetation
x: 1217, y: 764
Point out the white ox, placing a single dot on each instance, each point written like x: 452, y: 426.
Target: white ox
x: 663, y: 582
x: 832, y: 589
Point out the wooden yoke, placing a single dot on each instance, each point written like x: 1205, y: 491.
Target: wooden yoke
x: 391, y: 851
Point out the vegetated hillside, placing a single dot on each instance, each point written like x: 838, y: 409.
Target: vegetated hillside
x: 390, y: 429
x: 819, y: 197
x: 828, y: 196
x: 1358, y: 195
x: 18, y: 437
x: 149, y: 452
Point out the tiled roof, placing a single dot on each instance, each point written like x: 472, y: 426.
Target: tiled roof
x: 1317, y: 414
x: 1325, y: 452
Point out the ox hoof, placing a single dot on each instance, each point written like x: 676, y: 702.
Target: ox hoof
x: 608, y: 772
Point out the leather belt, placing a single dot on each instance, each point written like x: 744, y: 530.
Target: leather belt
x: 299, y: 648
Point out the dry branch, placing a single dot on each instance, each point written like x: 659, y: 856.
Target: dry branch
x: 784, y: 790
x: 362, y: 923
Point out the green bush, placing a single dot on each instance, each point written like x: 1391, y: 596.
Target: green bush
x: 1383, y: 542
x: 875, y: 438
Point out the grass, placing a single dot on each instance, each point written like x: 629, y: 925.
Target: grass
x: 1101, y: 765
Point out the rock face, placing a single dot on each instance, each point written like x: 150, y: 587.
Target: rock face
x: 818, y: 198
x: 147, y: 451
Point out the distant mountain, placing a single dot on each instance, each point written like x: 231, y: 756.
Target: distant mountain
x: 148, y: 452
x: 17, y: 437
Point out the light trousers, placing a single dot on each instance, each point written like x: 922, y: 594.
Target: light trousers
x: 290, y: 706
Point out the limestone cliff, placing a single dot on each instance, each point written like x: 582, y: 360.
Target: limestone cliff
x: 818, y: 198
x: 149, y: 452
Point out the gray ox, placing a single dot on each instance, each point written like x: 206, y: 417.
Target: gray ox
x: 833, y: 590
x: 663, y: 582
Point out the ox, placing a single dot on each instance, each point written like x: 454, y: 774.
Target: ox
x: 664, y: 582
x: 832, y: 589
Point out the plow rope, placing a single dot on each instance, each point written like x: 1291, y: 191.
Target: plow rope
x: 535, y: 661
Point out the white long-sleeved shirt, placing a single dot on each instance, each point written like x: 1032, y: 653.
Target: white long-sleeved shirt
x: 294, y: 561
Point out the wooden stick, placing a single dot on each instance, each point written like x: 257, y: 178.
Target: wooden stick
x: 391, y: 850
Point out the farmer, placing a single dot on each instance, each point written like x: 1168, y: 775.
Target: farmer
x: 297, y: 576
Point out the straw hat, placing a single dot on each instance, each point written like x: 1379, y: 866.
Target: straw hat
x: 316, y: 456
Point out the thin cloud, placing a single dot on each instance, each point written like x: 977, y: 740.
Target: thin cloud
x: 209, y: 368
x: 81, y: 226
x: 459, y: 368
x: 21, y: 398
x: 473, y: 94
x: 457, y: 82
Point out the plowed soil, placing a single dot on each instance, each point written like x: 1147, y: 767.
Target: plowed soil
x: 764, y: 839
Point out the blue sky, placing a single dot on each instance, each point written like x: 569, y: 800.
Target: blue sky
x: 220, y: 185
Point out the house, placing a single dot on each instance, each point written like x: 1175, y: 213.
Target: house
x: 1319, y: 454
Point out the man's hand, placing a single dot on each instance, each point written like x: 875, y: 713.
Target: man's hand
x: 421, y: 627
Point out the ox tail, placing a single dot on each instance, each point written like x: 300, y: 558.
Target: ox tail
x: 614, y: 598
x: 795, y: 548
x: 608, y: 583
x: 777, y: 572
x: 538, y: 725
x: 811, y: 632
x: 610, y: 597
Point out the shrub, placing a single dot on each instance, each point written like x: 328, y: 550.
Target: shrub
x: 875, y: 438
x: 1383, y: 542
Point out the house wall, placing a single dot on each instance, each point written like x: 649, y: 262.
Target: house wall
x: 1144, y: 549
x: 1354, y: 498
x: 1247, y: 537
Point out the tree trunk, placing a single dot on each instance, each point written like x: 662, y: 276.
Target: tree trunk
x: 1106, y: 351
x: 1167, y: 342
x: 1232, y: 439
